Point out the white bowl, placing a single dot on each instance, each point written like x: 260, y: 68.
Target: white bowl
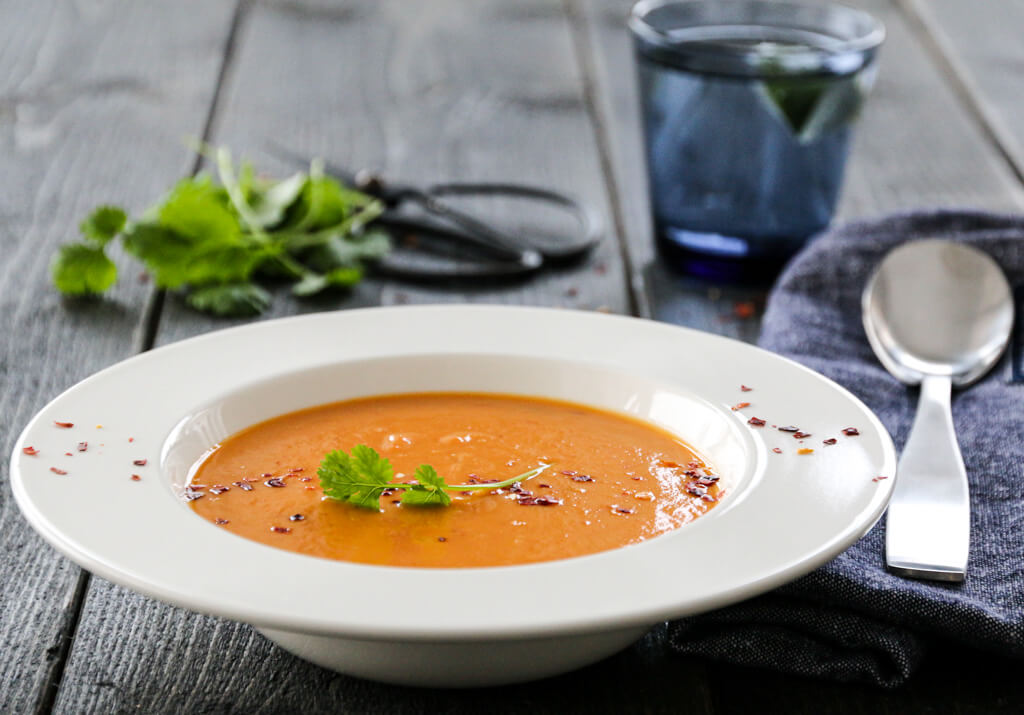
x: 783, y: 514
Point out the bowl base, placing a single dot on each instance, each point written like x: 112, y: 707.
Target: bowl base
x: 466, y: 664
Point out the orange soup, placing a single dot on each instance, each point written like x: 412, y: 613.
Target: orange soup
x: 612, y: 480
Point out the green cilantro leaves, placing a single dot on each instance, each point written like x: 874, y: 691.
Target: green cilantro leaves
x: 218, y: 241
x: 361, y: 477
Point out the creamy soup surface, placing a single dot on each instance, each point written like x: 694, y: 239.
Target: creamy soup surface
x: 612, y: 481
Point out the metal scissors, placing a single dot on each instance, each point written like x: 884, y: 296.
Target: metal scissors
x: 436, y: 240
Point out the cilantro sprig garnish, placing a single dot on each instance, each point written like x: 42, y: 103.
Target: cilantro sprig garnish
x: 220, y: 242
x: 361, y: 477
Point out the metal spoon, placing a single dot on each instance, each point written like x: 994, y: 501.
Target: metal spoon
x: 938, y: 314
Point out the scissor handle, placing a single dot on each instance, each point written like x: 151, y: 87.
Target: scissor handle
x: 590, y: 222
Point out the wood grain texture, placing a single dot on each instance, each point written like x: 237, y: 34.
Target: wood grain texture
x: 447, y: 92
x: 915, y: 146
x: 84, y: 95
x: 452, y: 90
x: 980, y: 47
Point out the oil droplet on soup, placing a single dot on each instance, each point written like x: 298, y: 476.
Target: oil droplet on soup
x: 613, y: 481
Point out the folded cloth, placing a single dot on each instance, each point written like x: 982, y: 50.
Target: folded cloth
x: 852, y: 620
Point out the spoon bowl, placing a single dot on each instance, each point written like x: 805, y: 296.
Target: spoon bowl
x: 938, y: 308
x: 937, y: 314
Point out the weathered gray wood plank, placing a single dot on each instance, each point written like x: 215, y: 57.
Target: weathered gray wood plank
x: 478, y: 92
x: 981, y: 50
x: 487, y: 90
x: 915, y: 146
x: 89, y: 113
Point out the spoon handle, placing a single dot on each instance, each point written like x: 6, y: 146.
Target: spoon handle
x: 928, y: 528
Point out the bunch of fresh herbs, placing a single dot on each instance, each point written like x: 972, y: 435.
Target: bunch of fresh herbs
x: 220, y: 243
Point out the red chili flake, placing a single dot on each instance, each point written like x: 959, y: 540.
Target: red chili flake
x: 131, y: 439
x: 274, y: 482
x: 218, y: 520
x: 243, y: 485
x: 756, y: 422
x: 30, y: 451
x: 305, y: 479
x: 82, y: 446
x: 296, y: 517
x: 879, y: 478
x: 57, y: 471
x: 280, y: 529
x: 266, y: 474
x: 637, y: 479
x: 776, y: 450
x: 744, y: 388
x: 801, y: 435
x: 136, y: 478
x: 707, y: 498
x: 538, y: 501
x: 583, y: 478
x: 708, y: 480
x: 601, y: 268
x: 789, y: 428
x: 139, y: 462
x: 805, y: 450
x: 851, y: 431
x: 191, y: 494
x: 740, y: 406
x: 569, y: 473
x: 830, y: 441
x: 68, y: 454
x: 543, y: 486
x: 218, y: 489
x: 667, y: 463
x: 442, y: 539
x: 65, y: 425
x: 296, y: 470
x: 621, y: 509
x: 572, y: 291
x: 696, y: 491
x: 744, y: 309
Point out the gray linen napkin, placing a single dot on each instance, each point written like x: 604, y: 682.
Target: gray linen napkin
x: 852, y: 620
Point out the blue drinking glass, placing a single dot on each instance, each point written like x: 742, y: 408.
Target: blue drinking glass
x: 747, y: 107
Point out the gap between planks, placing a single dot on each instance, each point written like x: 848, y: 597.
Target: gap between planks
x: 583, y: 49
x: 149, y: 325
x: 959, y: 81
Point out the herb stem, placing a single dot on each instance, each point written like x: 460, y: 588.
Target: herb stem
x: 536, y: 471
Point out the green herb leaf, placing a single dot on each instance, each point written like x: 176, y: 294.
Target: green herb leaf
x: 81, y: 269
x: 361, y: 478
x: 431, y: 491
x: 232, y: 300
x: 358, y: 479
x: 177, y: 259
x: 313, y: 283
x: 269, y: 207
x: 310, y: 284
x: 198, y: 210
x: 103, y: 224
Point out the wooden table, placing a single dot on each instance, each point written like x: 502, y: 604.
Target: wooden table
x: 95, y: 99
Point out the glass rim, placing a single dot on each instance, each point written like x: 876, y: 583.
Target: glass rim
x: 806, y: 56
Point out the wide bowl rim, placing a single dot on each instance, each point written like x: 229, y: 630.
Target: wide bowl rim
x: 208, y: 593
